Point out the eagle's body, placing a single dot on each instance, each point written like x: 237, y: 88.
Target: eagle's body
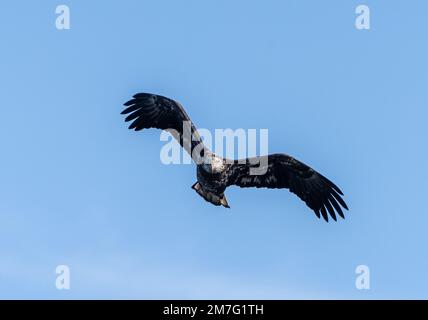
x: 215, y: 174
x: 212, y: 180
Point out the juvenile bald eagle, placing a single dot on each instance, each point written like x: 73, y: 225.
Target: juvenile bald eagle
x: 215, y: 174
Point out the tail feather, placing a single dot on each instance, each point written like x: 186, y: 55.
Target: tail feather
x: 215, y: 199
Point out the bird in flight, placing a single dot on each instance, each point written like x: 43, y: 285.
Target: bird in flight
x: 215, y: 174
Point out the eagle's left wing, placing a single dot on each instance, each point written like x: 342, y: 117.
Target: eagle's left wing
x: 283, y: 171
x: 148, y: 110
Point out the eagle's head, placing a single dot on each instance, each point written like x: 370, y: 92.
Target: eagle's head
x: 213, y: 164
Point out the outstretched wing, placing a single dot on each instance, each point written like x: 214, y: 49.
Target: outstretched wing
x: 147, y: 110
x: 283, y: 171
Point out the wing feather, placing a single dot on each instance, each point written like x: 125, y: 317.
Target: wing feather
x: 283, y: 171
x: 148, y: 110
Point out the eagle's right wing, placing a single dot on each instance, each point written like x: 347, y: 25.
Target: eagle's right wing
x: 283, y: 171
x: 147, y: 110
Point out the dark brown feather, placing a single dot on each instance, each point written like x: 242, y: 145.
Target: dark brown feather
x: 283, y: 171
x: 147, y: 110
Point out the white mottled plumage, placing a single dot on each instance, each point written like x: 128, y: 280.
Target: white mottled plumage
x: 213, y: 164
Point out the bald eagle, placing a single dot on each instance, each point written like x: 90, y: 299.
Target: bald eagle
x: 215, y: 174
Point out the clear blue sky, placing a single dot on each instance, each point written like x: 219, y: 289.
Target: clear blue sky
x: 78, y: 188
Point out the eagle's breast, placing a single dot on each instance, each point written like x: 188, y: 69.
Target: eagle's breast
x: 217, y: 165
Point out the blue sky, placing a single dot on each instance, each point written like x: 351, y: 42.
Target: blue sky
x: 77, y: 188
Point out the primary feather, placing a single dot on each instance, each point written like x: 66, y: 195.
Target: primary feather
x: 147, y: 110
x: 283, y: 171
